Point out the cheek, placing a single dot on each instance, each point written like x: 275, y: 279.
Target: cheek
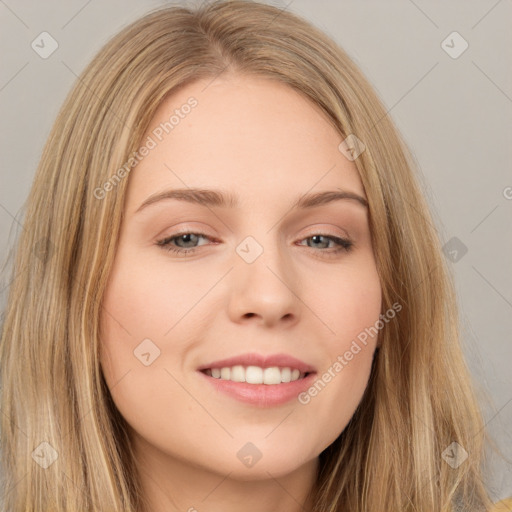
x: 142, y: 303
x: 347, y: 300
x: 136, y: 306
x: 351, y: 310
x: 146, y: 299
x: 355, y: 309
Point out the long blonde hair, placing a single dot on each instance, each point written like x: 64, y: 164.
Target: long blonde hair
x: 419, y: 398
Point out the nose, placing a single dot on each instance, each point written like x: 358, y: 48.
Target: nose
x: 265, y: 291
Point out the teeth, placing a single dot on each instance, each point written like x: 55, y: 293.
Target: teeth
x: 256, y: 374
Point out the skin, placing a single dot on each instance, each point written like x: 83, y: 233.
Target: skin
x: 266, y: 143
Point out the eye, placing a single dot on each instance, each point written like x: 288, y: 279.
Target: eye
x: 341, y: 244
x: 186, y: 237
x: 189, y: 238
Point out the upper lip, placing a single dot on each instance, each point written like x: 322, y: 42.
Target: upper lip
x: 253, y: 359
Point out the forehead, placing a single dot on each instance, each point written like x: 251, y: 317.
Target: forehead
x: 256, y: 137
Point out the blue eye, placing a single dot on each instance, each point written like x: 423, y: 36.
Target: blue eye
x: 188, y: 237
x: 343, y: 244
x: 184, y: 237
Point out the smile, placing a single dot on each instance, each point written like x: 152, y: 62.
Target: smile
x: 256, y: 374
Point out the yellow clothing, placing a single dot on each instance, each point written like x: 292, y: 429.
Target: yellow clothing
x: 503, y: 506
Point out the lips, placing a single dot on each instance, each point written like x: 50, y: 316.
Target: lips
x: 253, y: 359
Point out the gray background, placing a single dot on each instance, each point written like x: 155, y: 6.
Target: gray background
x: 455, y: 114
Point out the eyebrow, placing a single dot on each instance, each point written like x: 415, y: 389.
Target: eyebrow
x: 217, y: 198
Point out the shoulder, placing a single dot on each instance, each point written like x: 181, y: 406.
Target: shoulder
x: 502, y: 506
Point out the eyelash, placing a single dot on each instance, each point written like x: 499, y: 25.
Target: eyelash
x: 344, y: 244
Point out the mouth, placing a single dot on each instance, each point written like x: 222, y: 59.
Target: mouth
x: 261, y: 387
x: 251, y: 374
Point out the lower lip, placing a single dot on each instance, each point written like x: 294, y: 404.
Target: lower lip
x: 262, y: 395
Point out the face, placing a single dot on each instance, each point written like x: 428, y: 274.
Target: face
x: 264, y: 281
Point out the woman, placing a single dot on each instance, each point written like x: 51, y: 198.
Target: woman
x: 258, y: 368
